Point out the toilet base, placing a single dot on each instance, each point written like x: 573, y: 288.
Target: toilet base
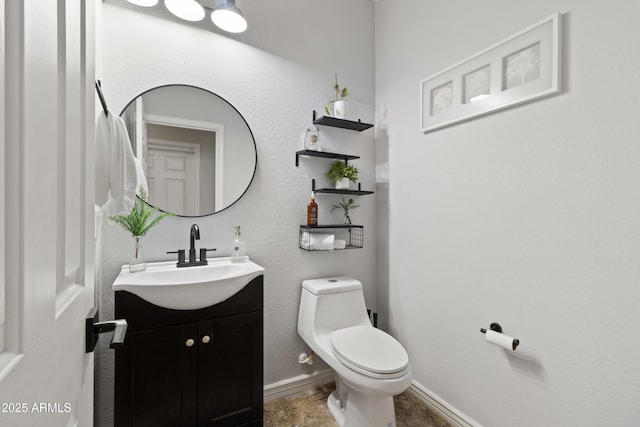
x: 362, y: 410
x: 335, y: 408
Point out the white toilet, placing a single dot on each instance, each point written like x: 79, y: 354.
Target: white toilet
x: 370, y: 365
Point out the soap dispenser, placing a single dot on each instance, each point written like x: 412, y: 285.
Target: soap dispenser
x: 237, y: 247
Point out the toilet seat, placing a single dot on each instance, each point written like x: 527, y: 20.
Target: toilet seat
x: 370, y: 351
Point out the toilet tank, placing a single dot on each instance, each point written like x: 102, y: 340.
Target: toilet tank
x: 329, y: 304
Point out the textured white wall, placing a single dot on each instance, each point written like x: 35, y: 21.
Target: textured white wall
x: 275, y: 75
x: 529, y: 217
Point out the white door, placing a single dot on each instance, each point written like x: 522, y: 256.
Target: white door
x: 172, y: 176
x: 47, y: 112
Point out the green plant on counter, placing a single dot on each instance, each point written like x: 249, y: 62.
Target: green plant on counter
x: 137, y: 221
x: 339, y: 170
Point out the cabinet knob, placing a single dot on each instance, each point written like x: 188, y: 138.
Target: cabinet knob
x: 190, y: 342
x: 206, y: 339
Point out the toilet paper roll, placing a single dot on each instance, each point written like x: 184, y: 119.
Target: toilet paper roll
x: 501, y: 340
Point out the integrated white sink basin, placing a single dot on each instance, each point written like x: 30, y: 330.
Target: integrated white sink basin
x: 188, y: 288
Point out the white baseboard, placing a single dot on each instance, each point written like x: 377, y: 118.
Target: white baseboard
x: 297, y: 384
x: 441, y: 407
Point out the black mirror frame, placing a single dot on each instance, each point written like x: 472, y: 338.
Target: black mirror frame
x: 255, y: 147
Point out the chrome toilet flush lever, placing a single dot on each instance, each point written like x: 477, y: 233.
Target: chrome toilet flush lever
x: 194, y: 235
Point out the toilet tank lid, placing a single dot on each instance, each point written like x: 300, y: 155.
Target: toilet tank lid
x: 331, y: 285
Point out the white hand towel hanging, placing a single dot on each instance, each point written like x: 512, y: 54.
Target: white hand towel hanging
x: 117, y: 180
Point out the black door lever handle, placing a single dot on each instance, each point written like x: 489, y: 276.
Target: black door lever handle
x: 93, y: 329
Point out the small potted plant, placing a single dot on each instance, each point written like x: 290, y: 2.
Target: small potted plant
x: 341, y: 173
x: 340, y: 103
x: 137, y: 223
x: 346, y: 206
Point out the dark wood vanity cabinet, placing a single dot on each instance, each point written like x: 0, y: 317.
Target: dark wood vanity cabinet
x: 191, y: 367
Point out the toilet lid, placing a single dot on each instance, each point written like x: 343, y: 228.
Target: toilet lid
x: 369, y: 349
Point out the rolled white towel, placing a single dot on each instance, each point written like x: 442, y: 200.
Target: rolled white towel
x: 339, y: 244
x: 321, y: 241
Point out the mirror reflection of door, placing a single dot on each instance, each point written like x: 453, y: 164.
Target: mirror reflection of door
x: 178, y: 155
x: 171, y: 175
x: 178, y: 160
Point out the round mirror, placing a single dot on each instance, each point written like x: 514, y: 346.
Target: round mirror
x: 196, y: 149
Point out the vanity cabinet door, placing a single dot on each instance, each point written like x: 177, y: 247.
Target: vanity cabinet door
x: 191, y: 368
x: 157, y: 376
x: 230, y: 370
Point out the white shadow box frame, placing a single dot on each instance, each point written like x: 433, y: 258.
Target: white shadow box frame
x: 521, y: 68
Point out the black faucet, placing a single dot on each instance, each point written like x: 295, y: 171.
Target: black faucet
x: 193, y: 236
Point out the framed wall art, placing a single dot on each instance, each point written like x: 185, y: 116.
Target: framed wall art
x: 521, y: 68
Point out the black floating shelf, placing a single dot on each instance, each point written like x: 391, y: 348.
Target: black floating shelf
x: 358, y: 192
x: 341, y: 123
x: 321, y: 226
x: 334, y: 191
x: 324, y: 154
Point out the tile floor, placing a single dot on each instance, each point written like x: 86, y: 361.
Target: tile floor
x: 309, y: 409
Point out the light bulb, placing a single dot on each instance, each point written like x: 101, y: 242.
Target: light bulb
x: 229, y: 20
x: 144, y: 3
x: 189, y: 10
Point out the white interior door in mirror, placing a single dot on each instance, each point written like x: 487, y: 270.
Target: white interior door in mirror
x: 172, y: 168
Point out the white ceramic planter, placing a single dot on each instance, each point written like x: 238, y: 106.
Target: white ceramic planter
x: 342, y: 184
x: 340, y: 109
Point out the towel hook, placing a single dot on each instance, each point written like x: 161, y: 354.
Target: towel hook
x: 101, y: 96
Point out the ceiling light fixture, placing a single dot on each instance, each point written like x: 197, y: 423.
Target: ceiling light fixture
x: 189, y: 10
x: 228, y: 17
x: 144, y: 3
